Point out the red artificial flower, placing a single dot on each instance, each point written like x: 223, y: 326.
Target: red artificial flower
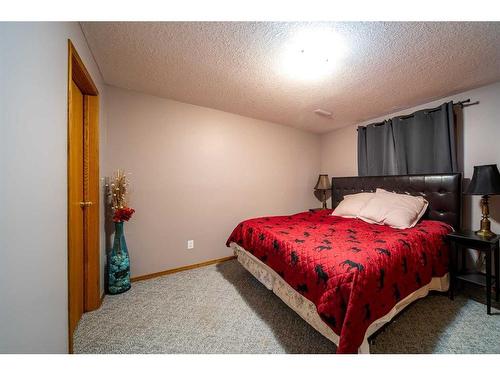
x: 123, y: 214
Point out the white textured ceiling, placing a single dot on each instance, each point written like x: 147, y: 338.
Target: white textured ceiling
x: 234, y: 66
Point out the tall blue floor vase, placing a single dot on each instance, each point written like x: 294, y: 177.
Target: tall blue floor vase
x: 118, y: 263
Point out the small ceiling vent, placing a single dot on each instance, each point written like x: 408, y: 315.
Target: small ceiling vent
x: 323, y: 113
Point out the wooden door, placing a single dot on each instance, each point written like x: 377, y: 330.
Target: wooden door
x: 76, y: 195
x: 83, y: 193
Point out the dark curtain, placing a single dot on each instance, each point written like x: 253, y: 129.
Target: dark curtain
x: 376, y: 151
x: 421, y: 143
x: 425, y: 141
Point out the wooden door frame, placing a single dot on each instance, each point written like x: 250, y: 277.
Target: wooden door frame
x: 80, y: 75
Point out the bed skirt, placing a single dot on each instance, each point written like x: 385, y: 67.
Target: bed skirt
x: 307, y: 310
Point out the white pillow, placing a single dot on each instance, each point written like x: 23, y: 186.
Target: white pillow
x: 396, y: 210
x: 352, y: 204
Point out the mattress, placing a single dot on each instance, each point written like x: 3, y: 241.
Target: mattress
x: 356, y: 275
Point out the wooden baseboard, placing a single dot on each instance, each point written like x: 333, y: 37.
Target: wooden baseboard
x: 184, y: 268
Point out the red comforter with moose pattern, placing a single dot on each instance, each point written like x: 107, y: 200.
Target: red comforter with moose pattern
x: 354, y: 272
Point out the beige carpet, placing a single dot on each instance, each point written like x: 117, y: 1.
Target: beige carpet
x: 223, y: 309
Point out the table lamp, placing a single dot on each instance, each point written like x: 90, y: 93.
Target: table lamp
x: 485, y: 181
x: 323, y: 185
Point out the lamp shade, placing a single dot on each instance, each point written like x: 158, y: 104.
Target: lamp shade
x: 485, y: 180
x: 323, y: 182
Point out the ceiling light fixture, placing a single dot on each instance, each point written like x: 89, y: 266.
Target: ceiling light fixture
x: 311, y: 54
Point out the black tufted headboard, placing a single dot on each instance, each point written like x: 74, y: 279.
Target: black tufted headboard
x: 442, y: 191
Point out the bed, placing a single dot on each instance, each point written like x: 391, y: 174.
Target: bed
x: 348, y: 278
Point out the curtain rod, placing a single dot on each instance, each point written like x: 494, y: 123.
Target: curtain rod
x: 466, y: 103
x: 462, y: 104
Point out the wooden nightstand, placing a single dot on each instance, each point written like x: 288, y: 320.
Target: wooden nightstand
x: 461, y: 240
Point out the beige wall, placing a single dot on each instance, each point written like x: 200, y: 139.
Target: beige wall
x: 480, y: 145
x: 197, y: 172
x: 33, y: 183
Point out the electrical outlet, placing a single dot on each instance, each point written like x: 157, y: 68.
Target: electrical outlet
x: 190, y: 244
